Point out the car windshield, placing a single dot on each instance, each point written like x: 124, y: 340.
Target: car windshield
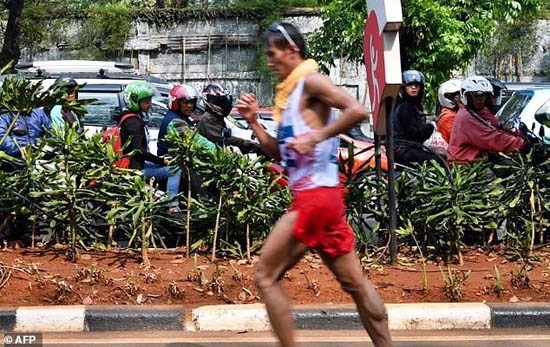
x: 101, y: 111
x: 510, y: 112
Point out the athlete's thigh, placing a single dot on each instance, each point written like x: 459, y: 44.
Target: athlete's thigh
x: 281, y: 250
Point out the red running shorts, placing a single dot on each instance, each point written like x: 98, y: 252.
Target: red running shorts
x: 321, y: 223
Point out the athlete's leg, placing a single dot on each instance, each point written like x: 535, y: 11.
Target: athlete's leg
x: 280, y: 252
x: 371, y: 309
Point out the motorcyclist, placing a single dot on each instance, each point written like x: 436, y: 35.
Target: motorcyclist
x: 58, y: 114
x: 410, y: 129
x: 475, y: 131
x: 26, y: 131
x: 137, y: 98
x: 183, y: 103
x: 448, y: 95
x: 219, y: 102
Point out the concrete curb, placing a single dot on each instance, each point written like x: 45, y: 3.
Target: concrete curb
x: 253, y: 317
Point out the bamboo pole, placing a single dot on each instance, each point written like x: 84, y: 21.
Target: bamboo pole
x: 208, y: 62
x: 238, y: 48
x: 183, y: 57
x: 224, y: 66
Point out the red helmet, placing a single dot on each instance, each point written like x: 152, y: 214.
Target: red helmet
x: 182, y: 92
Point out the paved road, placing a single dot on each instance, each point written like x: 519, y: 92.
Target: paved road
x: 486, y: 338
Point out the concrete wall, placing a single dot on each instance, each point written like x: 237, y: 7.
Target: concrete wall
x: 225, y: 50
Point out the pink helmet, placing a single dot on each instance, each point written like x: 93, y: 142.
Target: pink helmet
x: 182, y: 92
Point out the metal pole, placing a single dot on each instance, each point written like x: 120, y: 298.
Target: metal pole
x: 377, y: 156
x: 388, y: 101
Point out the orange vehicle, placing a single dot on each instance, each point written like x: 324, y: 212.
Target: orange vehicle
x: 363, y: 152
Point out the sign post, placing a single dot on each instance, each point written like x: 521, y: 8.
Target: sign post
x: 383, y: 63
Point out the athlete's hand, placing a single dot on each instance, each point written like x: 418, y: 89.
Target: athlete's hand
x: 304, y: 143
x: 248, y: 107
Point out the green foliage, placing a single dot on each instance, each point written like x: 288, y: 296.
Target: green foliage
x: 103, y: 34
x: 341, y: 35
x: 442, y: 206
x: 437, y: 37
x: 21, y: 96
x: 246, y: 193
x: 366, y: 198
x: 525, y: 199
x: 454, y: 279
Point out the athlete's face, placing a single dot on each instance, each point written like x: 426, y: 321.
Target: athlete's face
x: 278, y: 59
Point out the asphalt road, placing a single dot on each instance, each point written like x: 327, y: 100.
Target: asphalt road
x: 485, y: 338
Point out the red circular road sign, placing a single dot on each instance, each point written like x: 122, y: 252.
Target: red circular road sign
x: 373, y: 52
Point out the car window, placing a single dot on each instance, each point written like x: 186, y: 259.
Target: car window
x: 100, y: 112
x: 108, y: 103
x: 510, y: 112
x: 158, y: 110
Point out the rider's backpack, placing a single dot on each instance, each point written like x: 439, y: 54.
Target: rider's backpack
x: 113, y: 134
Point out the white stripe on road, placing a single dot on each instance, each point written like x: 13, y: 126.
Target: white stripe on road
x: 52, y: 318
x: 249, y: 317
x: 439, y: 316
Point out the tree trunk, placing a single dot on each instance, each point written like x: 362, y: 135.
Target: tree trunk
x: 160, y: 4
x: 11, y: 50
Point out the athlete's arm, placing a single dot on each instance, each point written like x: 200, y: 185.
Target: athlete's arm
x: 248, y: 108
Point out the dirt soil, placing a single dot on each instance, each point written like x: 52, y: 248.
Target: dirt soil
x: 45, y: 277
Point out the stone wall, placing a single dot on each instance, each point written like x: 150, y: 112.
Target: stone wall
x: 225, y: 50
x: 212, y: 50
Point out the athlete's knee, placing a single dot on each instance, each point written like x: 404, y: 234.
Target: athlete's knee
x: 377, y: 311
x: 351, y: 286
x: 264, y: 277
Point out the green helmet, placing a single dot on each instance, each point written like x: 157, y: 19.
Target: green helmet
x: 135, y: 92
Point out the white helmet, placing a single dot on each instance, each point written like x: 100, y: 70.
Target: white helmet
x: 474, y: 85
x: 446, y: 91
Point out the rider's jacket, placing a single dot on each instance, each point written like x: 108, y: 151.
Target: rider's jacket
x: 476, y: 134
x: 214, y: 129
x: 132, y: 130
x: 445, y: 122
x: 409, y: 123
x: 27, y: 130
x: 163, y: 145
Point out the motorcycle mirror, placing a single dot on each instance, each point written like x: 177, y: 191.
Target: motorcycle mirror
x: 543, y: 114
x: 541, y: 132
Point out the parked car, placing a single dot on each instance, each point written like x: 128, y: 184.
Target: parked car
x: 523, y: 106
x: 512, y: 87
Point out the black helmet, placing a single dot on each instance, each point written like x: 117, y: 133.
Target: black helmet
x: 66, y: 82
x: 218, y: 99
x: 412, y: 77
x: 498, y: 86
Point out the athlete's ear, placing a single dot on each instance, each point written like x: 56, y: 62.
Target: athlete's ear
x: 294, y: 48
